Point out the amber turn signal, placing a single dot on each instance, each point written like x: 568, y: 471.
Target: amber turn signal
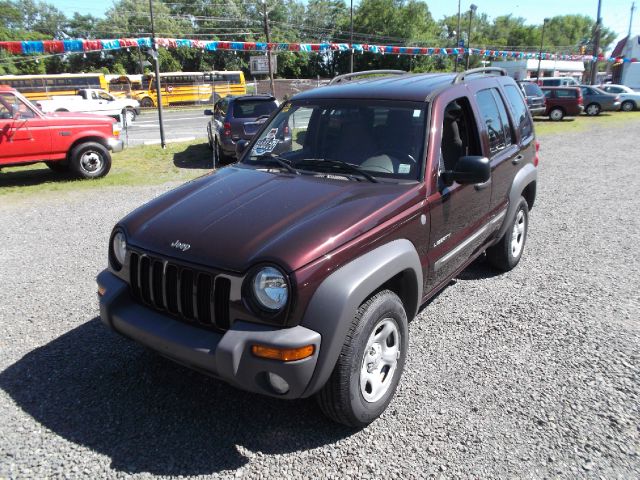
x: 101, y: 290
x: 283, y: 354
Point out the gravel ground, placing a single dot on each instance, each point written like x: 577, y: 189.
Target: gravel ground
x: 532, y: 374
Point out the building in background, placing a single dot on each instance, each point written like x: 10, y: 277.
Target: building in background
x: 626, y: 72
x: 527, y: 69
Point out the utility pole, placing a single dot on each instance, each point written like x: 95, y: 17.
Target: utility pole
x: 633, y: 9
x: 351, y: 38
x: 154, y: 54
x: 472, y: 9
x: 455, y: 67
x: 596, y: 46
x: 544, y: 23
x: 267, y: 34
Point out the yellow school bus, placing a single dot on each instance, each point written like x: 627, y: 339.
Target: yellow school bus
x: 44, y: 87
x: 189, y: 87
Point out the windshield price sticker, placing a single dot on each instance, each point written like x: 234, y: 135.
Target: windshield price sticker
x: 265, y: 145
x: 404, y: 168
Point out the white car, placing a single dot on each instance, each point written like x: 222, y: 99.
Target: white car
x: 629, y: 99
x: 89, y: 100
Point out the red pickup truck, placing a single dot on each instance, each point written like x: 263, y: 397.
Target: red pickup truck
x: 76, y: 142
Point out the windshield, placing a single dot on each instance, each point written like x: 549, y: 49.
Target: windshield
x: 383, y: 139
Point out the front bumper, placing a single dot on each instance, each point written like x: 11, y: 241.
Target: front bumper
x: 224, y: 355
x: 115, y: 145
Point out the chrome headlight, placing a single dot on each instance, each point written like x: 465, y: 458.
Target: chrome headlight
x: 270, y: 289
x: 119, y: 250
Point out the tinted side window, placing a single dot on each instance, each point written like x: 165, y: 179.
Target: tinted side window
x: 492, y: 119
x: 566, y: 93
x: 519, y: 109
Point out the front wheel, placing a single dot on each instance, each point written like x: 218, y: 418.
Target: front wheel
x: 593, y: 109
x: 128, y: 116
x: 506, y: 254
x: 368, y: 370
x: 556, y: 114
x: 90, y: 160
x: 146, y: 102
x: 628, y: 106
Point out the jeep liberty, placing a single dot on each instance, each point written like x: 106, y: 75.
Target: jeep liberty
x: 295, y: 272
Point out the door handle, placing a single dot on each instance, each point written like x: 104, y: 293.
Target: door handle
x: 517, y: 160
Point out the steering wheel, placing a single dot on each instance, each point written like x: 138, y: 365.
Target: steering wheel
x: 395, y: 153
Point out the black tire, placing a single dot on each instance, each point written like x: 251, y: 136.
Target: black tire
x: 341, y: 399
x: 128, y: 113
x: 501, y: 255
x: 58, y: 166
x: 216, y: 157
x: 90, y: 160
x: 556, y: 114
x: 628, y: 106
x: 593, y: 109
x: 146, y: 102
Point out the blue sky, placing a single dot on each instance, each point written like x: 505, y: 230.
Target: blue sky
x: 615, y: 13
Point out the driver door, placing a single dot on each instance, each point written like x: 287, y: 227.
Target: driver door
x: 25, y: 136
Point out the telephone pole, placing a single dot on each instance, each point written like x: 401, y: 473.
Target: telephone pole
x: 267, y: 34
x: 633, y: 9
x: 154, y: 54
x: 596, y: 46
x: 351, y: 38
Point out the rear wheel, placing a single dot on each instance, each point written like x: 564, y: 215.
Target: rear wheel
x: 90, y: 160
x: 216, y: 154
x: 58, y: 166
x: 128, y: 116
x: 146, y: 102
x: 556, y: 114
x: 628, y: 106
x: 368, y: 370
x: 506, y: 254
x: 593, y: 109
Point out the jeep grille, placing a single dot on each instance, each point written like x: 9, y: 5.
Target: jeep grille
x: 192, y: 296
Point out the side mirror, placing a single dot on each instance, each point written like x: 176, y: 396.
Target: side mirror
x: 471, y: 169
x: 208, y: 112
x: 241, y: 146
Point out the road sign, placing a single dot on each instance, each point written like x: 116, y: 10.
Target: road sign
x: 260, y: 66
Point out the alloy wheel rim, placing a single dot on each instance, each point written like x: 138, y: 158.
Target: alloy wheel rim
x: 517, y: 234
x: 380, y: 360
x: 91, y: 161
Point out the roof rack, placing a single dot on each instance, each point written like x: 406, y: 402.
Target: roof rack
x: 462, y: 76
x: 348, y: 76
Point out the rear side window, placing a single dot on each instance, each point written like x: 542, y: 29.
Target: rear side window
x: 531, y: 90
x: 495, y: 119
x: 566, y: 93
x: 253, y: 109
x: 519, y: 109
x: 551, y: 83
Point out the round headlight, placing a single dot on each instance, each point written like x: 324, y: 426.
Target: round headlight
x: 119, y: 248
x: 270, y: 289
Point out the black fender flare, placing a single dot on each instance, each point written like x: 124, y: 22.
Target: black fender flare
x: 527, y: 175
x: 337, y: 299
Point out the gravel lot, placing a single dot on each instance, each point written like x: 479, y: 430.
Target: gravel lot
x: 532, y: 374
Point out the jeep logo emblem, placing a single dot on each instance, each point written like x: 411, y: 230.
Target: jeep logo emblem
x: 180, y: 246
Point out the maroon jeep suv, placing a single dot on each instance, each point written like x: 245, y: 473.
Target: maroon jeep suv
x: 295, y: 272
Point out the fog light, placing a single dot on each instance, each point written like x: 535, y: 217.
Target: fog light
x: 101, y: 290
x: 283, y: 354
x: 279, y: 384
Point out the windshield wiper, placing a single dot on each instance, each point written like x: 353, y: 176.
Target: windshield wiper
x: 283, y: 162
x: 337, y: 164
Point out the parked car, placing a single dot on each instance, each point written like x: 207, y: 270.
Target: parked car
x: 296, y: 271
x: 534, y: 96
x: 596, y: 100
x: 236, y: 118
x: 93, y: 100
x: 558, y: 82
x: 76, y: 142
x: 563, y: 102
x: 630, y: 99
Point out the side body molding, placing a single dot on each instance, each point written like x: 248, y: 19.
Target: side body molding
x: 338, y: 297
x: 527, y: 174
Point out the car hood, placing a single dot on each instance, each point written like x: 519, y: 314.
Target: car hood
x: 80, y: 117
x: 238, y: 217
